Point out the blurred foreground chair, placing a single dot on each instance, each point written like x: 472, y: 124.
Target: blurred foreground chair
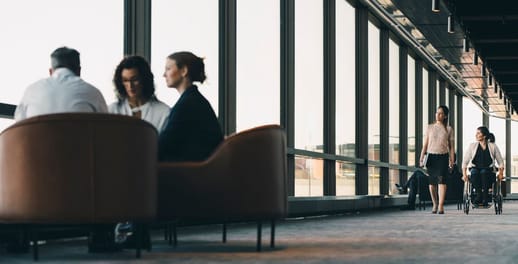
x: 77, y: 169
x: 243, y: 180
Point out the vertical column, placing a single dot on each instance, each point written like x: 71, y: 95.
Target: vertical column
x: 419, y: 111
x: 403, y: 111
x: 432, y: 96
x: 442, y: 92
x: 362, y: 108
x: 137, y: 28
x: 329, y: 95
x: 460, y: 129
x: 384, y: 109
x: 287, y: 77
x: 227, y: 65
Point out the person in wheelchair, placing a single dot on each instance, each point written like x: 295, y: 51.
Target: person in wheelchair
x: 480, y: 159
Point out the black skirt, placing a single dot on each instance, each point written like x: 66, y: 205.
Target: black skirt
x: 437, y: 165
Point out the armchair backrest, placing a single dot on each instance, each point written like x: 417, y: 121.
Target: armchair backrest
x: 78, y: 168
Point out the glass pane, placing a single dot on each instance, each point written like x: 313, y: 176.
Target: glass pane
x: 411, y: 112
x: 309, y: 93
x: 437, y: 94
x: 497, y: 127
x: 393, y: 179
x: 258, y: 70
x: 309, y: 176
x: 472, y: 119
x: 5, y: 123
x: 514, y: 156
x: 426, y: 99
x: 374, y: 180
x: 393, y: 102
x: 36, y: 28
x: 345, y: 178
x: 174, y: 29
x: 345, y: 80
x: 374, y: 92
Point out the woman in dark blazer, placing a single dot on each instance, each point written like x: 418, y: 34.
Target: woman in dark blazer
x: 192, y: 130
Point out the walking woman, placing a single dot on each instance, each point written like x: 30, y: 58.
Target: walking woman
x: 439, y: 146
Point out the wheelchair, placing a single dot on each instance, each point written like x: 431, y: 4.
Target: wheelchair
x: 495, y: 192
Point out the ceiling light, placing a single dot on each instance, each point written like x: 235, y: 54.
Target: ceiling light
x: 435, y: 6
x: 451, y: 21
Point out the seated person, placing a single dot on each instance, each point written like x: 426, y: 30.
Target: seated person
x: 192, y: 131
x: 480, y: 159
x: 63, y: 92
x: 417, y: 178
x: 135, y: 90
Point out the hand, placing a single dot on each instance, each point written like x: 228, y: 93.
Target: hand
x: 465, y: 177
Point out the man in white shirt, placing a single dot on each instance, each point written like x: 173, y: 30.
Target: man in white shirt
x: 63, y: 92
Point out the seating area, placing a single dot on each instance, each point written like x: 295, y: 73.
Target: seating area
x: 89, y: 169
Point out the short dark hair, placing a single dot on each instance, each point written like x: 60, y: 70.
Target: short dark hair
x: 146, y: 77
x: 194, y: 64
x: 65, y: 57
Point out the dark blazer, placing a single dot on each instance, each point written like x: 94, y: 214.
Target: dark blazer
x: 192, y: 130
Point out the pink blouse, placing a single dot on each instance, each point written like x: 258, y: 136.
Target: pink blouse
x: 439, y: 138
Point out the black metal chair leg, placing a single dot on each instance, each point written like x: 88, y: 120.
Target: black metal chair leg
x: 259, y: 232
x: 224, y: 233
x: 34, y: 238
x: 138, y: 239
x: 272, y: 234
x: 175, y: 236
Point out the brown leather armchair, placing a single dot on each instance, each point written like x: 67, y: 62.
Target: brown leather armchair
x: 243, y: 180
x: 78, y: 168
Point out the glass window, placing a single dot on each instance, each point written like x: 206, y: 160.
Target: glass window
x: 411, y: 111
x: 514, y: 156
x: 345, y: 80
x: 393, y: 102
x: 345, y: 178
x: 36, y: 28
x: 258, y: 69
x: 309, y: 94
x: 437, y: 93
x: 425, y: 100
x: 374, y: 92
x: 497, y: 127
x: 179, y: 25
x: 393, y: 179
x: 471, y: 120
x: 309, y: 176
x: 374, y: 180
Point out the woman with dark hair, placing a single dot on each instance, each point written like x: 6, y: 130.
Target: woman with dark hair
x: 438, y: 145
x: 135, y: 90
x: 192, y: 131
x: 480, y: 159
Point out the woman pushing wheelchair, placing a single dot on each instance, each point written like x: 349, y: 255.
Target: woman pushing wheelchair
x: 482, y: 158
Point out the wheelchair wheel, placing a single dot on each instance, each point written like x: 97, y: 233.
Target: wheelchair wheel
x: 466, y: 205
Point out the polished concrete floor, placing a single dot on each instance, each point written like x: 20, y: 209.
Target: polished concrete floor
x: 387, y: 236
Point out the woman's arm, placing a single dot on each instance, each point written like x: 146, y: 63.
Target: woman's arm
x: 451, y: 145
x: 425, y: 147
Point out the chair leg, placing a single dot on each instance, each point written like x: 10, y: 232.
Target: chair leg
x: 259, y: 231
x: 224, y: 233
x: 138, y: 239
x: 34, y: 238
x: 272, y: 234
x: 175, y: 236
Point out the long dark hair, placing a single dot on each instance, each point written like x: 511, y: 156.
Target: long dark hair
x: 485, y: 131
x: 146, y: 77
x: 446, y: 111
x: 194, y: 64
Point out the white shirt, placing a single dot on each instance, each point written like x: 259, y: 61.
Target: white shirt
x: 494, y: 152
x: 154, y: 112
x: 63, y: 92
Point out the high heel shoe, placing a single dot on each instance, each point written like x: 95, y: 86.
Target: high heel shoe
x: 434, y: 210
x: 441, y: 212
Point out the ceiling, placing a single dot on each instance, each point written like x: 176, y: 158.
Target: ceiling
x: 491, y: 29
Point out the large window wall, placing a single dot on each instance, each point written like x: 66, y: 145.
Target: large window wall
x: 318, y: 166
x: 514, y: 156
